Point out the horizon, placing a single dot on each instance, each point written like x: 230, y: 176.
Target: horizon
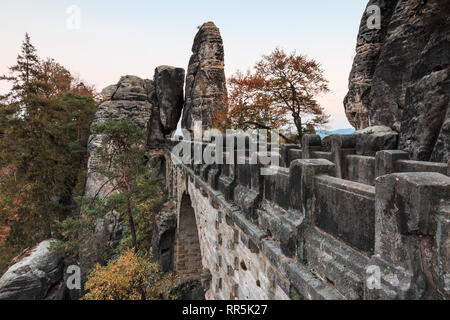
x: 103, y: 50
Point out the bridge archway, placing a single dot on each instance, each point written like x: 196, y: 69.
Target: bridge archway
x: 188, y: 256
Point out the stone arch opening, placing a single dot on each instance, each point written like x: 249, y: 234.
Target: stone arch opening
x: 188, y: 256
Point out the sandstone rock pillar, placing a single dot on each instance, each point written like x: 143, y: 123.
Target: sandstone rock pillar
x: 205, y: 82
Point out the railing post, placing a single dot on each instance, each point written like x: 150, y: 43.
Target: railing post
x: 310, y: 143
x: 341, y: 147
x: 409, y: 225
x: 309, y: 168
x: 385, y: 161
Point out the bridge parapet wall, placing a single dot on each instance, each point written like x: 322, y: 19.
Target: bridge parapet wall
x: 320, y: 235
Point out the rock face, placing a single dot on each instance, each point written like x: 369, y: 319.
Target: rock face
x: 169, y: 82
x: 129, y: 99
x: 373, y: 139
x: 34, y: 277
x: 205, y: 82
x: 400, y: 76
x: 164, y: 238
x: 167, y: 100
x: 153, y: 105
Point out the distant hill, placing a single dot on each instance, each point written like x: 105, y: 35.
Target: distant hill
x: 323, y: 133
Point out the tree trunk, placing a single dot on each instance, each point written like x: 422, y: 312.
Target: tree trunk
x: 298, y: 125
x: 132, y: 228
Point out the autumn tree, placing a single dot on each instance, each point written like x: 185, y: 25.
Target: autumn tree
x: 248, y: 106
x: 282, y: 87
x: 45, y: 129
x: 55, y: 80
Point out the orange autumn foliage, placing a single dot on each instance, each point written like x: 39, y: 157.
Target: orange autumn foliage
x: 128, y: 277
x: 248, y: 106
x: 282, y: 89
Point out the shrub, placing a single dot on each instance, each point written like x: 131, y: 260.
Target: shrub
x: 129, y: 277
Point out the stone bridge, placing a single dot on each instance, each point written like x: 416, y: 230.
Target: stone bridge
x: 346, y: 217
x: 330, y: 223
x: 349, y: 217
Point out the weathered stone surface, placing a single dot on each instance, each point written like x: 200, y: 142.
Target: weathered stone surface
x: 342, y: 266
x: 33, y: 276
x: 166, y: 95
x: 341, y: 147
x: 346, y: 210
x: 167, y: 102
x: 442, y: 146
x: 169, y: 82
x: 411, y: 229
x: 108, y: 92
x: 400, y: 76
x: 136, y: 111
x: 306, y: 283
x: 373, y: 139
x: 164, y: 237
x: 310, y: 143
x: 131, y: 88
x: 361, y: 169
x: 385, y: 161
x: 131, y: 100
x: 205, y: 82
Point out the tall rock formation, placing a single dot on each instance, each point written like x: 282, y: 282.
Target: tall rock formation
x: 167, y: 100
x: 205, y: 82
x: 130, y: 98
x: 154, y: 106
x: 400, y: 76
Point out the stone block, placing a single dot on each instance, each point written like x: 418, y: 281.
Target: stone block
x: 272, y: 251
x: 286, y: 227
x: 306, y: 283
x: 373, y: 139
x: 385, y: 162
x: 346, y: 210
x: 276, y: 187
x: 309, y: 169
x: 285, y: 152
x: 420, y: 166
x: 295, y: 155
x: 408, y: 219
x: 310, y: 143
x: 361, y: 169
x: 341, y: 147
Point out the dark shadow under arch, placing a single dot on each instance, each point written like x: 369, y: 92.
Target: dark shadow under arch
x: 188, y: 257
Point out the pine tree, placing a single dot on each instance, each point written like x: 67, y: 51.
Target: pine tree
x: 44, y: 126
x: 23, y: 73
x: 131, y: 188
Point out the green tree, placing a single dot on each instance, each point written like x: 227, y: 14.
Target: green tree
x: 22, y: 73
x: 45, y: 127
x: 131, y: 188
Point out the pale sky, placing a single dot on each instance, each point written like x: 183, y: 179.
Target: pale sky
x: 133, y: 37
